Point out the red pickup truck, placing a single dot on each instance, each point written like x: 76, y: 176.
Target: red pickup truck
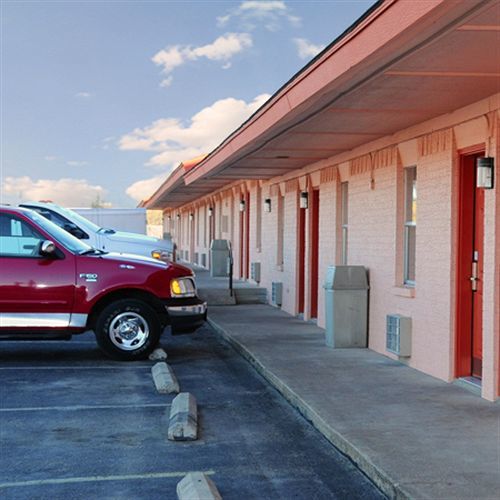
x: 53, y: 285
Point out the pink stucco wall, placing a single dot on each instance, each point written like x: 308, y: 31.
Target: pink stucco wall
x: 374, y: 172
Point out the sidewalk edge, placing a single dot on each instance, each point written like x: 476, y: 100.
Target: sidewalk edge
x: 388, y: 486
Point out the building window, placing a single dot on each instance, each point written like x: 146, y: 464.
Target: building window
x: 281, y: 230
x: 410, y: 224
x: 344, y: 218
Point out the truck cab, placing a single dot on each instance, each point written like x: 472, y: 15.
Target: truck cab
x: 53, y: 285
x: 103, y: 238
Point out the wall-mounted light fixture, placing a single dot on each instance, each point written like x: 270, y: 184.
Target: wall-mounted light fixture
x: 304, y: 200
x: 210, y: 211
x: 191, y: 217
x: 178, y: 216
x: 485, y: 167
x: 267, y: 205
x: 242, y: 205
x: 169, y: 217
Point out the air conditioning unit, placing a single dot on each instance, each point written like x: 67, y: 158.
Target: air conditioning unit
x: 255, y: 271
x: 277, y: 293
x: 398, y: 335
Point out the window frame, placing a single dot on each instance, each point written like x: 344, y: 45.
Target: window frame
x: 409, y: 225
x: 280, y: 250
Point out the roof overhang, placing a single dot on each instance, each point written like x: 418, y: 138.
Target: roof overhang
x: 400, y: 65
x: 174, y: 186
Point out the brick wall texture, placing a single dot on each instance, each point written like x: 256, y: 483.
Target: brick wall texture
x: 375, y: 240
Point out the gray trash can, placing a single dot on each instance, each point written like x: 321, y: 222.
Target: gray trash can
x: 346, y: 302
x: 219, y: 255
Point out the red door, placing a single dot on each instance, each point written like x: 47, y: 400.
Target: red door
x: 191, y: 239
x: 314, y: 210
x: 470, y: 270
x: 211, y: 231
x: 242, y: 243
x: 301, y: 261
x: 247, y: 236
x: 477, y: 275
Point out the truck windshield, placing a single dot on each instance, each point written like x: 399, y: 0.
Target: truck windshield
x: 73, y: 244
x: 79, y: 220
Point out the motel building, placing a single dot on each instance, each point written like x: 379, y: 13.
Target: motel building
x: 381, y: 152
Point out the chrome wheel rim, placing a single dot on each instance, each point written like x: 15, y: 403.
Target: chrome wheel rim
x: 129, y: 331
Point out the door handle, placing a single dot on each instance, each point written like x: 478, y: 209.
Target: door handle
x: 474, y: 278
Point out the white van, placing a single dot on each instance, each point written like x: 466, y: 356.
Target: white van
x: 106, y: 239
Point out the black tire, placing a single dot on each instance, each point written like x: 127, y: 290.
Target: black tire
x: 127, y: 330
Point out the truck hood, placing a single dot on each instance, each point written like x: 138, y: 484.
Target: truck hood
x: 139, y: 239
x: 131, y: 259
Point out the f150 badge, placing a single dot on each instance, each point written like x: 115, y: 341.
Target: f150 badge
x: 89, y: 277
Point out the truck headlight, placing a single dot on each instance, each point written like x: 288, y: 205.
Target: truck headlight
x: 160, y: 255
x: 182, y: 287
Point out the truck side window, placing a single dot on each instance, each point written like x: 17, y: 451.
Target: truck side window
x: 17, y: 238
x: 52, y: 216
x: 62, y: 222
x: 15, y: 228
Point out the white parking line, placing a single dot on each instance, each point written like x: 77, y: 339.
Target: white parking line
x: 83, y: 407
x: 73, y: 367
x: 92, y: 479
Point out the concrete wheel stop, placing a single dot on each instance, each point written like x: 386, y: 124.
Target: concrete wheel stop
x: 158, y: 354
x: 197, y: 486
x: 164, y: 378
x: 183, y: 420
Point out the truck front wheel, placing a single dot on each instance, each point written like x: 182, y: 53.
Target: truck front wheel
x: 127, y: 329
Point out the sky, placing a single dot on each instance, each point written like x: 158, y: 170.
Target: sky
x: 100, y: 100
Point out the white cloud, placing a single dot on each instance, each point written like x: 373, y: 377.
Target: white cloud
x: 50, y: 158
x: 106, y: 143
x: 67, y: 192
x: 83, y: 95
x: 223, y: 20
x: 174, y: 141
x: 306, y: 49
x: 142, y: 190
x: 252, y: 14
x: 169, y: 58
x: 75, y: 163
x: 222, y: 49
x: 166, y: 82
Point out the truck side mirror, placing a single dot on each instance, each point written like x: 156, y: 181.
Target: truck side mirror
x: 48, y: 248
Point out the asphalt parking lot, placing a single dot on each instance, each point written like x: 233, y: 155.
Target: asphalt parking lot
x: 74, y: 424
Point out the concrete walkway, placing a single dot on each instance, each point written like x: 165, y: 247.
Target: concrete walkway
x: 412, y: 434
